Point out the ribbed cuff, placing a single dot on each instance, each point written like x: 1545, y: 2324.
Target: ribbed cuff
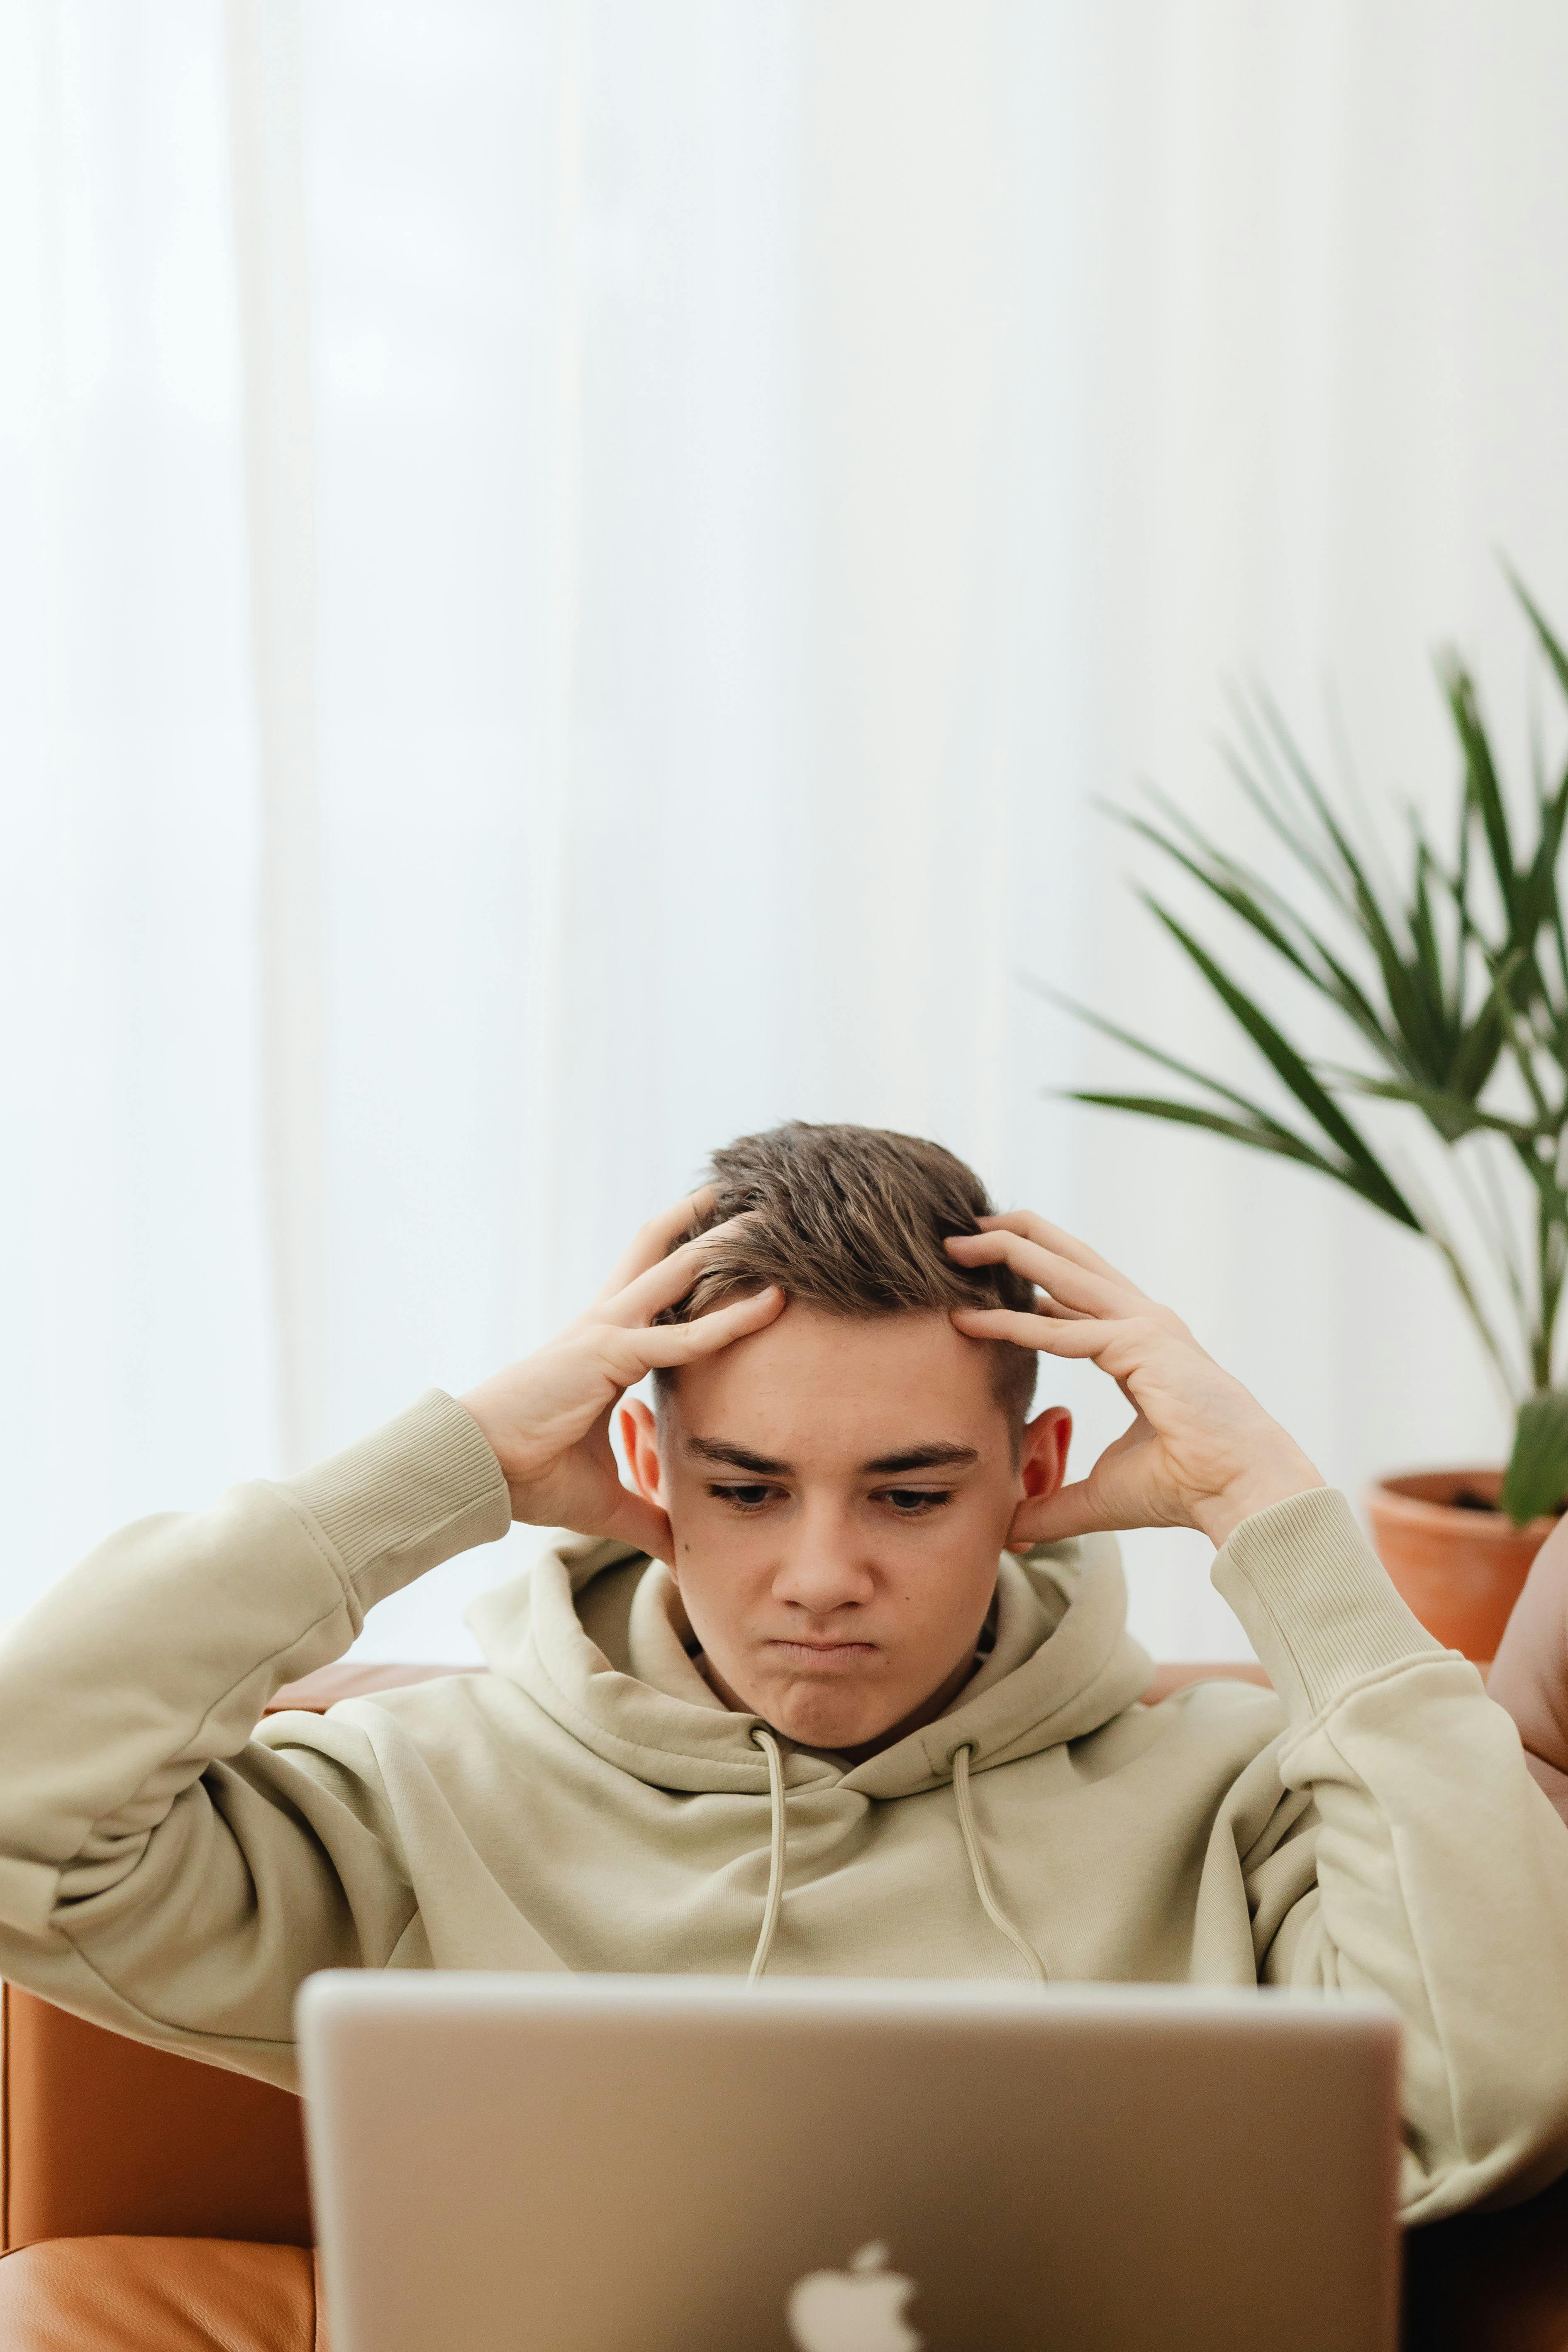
x: 1316, y: 1604
x: 424, y: 1487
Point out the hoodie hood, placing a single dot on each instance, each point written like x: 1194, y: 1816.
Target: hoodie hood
x: 592, y: 1631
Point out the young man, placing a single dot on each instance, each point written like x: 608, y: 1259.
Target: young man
x: 840, y: 1683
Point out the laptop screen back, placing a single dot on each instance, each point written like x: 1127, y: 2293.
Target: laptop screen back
x: 598, y: 2164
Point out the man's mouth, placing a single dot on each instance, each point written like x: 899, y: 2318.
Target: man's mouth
x: 823, y: 1653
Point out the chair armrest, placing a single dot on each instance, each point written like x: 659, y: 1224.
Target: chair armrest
x: 103, y: 2136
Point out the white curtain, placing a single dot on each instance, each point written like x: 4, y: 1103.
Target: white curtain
x: 571, y: 574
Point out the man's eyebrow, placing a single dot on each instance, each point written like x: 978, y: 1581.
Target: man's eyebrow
x: 736, y: 1457
x: 923, y: 1458
x: 936, y: 1456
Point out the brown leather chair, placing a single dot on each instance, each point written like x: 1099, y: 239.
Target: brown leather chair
x: 150, y: 2203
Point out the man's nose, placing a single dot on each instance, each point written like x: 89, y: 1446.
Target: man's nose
x: 822, y: 1569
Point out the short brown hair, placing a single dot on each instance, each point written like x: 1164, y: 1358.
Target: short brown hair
x: 851, y: 1221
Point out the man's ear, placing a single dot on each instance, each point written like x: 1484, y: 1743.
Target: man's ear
x: 639, y: 1443
x: 1042, y: 1461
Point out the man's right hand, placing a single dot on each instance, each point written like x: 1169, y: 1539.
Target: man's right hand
x: 548, y: 1418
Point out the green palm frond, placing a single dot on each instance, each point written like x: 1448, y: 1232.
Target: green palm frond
x: 1449, y: 972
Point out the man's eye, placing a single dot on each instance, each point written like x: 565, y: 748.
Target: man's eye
x: 744, y: 1498
x: 913, y: 1502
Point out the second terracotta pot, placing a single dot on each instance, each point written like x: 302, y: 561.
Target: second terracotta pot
x: 1461, y: 1570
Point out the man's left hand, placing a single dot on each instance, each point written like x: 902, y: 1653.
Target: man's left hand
x: 1201, y: 1452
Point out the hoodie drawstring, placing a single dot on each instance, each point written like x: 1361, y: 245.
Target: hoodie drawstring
x: 994, y: 1911
x: 978, y: 1871
x: 766, y: 1741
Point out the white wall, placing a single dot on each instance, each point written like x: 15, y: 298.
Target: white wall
x: 767, y: 471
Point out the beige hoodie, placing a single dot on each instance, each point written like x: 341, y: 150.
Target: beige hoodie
x: 172, y: 1871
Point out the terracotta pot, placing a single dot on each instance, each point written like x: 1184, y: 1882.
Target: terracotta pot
x: 1461, y: 1570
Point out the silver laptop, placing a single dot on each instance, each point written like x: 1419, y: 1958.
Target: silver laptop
x: 691, y: 2164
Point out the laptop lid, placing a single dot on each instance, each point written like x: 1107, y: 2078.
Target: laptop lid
x: 636, y: 2164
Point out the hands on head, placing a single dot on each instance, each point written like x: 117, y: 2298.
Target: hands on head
x: 1201, y: 1452
x: 548, y: 1418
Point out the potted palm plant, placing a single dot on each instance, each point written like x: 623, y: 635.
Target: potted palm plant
x: 1447, y: 984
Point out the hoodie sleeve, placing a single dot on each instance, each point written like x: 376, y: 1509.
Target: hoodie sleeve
x: 1442, y: 1870
x: 161, y: 1870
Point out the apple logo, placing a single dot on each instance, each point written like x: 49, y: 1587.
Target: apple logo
x: 858, y: 2309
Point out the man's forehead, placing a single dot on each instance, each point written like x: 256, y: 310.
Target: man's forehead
x: 826, y: 1389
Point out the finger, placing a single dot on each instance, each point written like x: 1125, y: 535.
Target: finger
x: 668, y: 1345
x: 1048, y: 1301
x: 1087, y: 1335
x: 1086, y: 1288
x: 651, y: 1242
x: 1056, y: 1238
x: 1070, y: 1511
x: 634, y: 1519
x: 662, y: 1284
x: 1063, y: 1278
